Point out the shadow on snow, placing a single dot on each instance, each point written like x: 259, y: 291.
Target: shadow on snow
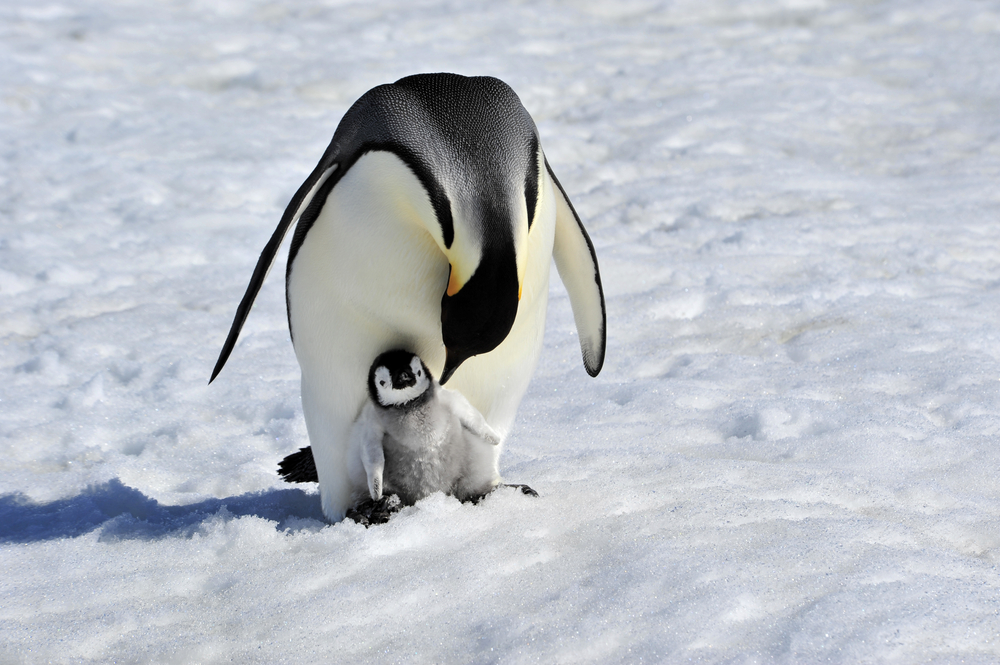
x: 122, y: 512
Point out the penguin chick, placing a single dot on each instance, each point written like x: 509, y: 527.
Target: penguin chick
x: 414, y: 438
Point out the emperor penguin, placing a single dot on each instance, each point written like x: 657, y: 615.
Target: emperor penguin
x: 429, y: 224
x: 414, y: 438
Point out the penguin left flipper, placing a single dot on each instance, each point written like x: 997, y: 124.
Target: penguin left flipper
x: 576, y: 262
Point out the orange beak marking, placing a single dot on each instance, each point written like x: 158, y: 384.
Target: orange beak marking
x: 453, y: 285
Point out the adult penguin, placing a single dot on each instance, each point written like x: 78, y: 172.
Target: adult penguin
x: 428, y: 225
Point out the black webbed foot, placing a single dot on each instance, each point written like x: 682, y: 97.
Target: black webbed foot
x: 375, y: 512
x: 474, y: 500
x: 299, y: 467
x: 524, y: 489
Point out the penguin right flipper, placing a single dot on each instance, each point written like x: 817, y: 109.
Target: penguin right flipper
x: 299, y: 203
x: 468, y: 416
x: 576, y: 262
x: 366, y: 438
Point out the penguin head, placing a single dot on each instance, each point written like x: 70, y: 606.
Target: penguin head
x: 477, y: 317
x: 399, y: 379
x: 479, y: 158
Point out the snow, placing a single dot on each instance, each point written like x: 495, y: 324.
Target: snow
x: 790, y: 455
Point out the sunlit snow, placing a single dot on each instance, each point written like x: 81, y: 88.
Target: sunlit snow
x: 791, y: 454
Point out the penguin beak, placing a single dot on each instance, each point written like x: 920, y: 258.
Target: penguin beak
x: 451, y: 363
x: 477, y: 315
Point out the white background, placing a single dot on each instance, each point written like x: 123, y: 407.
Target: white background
x: 790, y: 456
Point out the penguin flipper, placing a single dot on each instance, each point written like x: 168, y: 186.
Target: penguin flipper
x: 468, y: 416
x: 299, y: 203
x: 576, y: 262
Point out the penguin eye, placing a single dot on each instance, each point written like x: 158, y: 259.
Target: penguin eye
x: 420, y: 372
x: 382, y: 383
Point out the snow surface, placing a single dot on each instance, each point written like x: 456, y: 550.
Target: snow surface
x: 790, y: 456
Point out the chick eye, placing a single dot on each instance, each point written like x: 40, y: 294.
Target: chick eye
x: 381, y: 383
x: 420, y: 373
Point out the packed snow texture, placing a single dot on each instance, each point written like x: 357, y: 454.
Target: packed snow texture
x: 791, y: 454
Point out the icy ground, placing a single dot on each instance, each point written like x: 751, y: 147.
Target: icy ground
x: 792, y: 452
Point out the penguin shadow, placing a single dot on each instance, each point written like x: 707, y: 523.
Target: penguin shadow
x: 124, y: 513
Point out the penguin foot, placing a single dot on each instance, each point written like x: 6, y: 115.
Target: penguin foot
x: 299, y: 467
x: 474, y: 500
x: 375, y: 512
x: 524, y: 489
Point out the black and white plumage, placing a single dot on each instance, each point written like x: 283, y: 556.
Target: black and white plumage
x: 429, y: 224
x: 414, y: 438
